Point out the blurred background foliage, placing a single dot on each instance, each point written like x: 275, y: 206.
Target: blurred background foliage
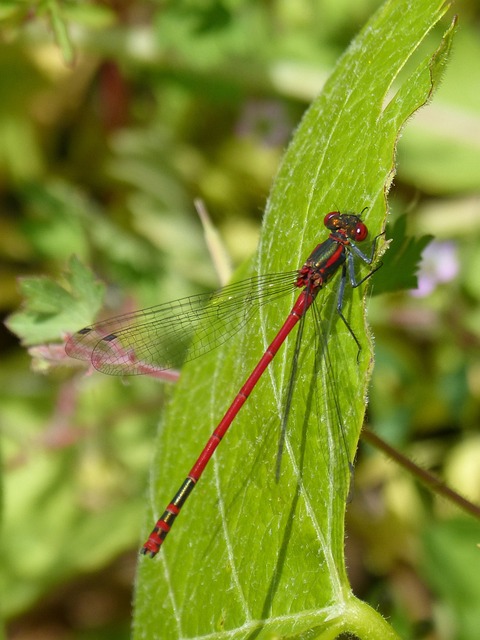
x: 114, y: 116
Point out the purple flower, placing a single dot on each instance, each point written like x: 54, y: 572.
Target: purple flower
x: 439, y: 264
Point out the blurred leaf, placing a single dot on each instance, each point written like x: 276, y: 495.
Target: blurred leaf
x: 94, y: 16
x: 441, y: 163
x: 402, y: 260
x: 267, y: 558
x: 61, y: 31
x: 212, y: 17
x: 440, y: 152
x: 451, y: 550
x: 9, y: 9
x: 50, y: 309
x: 86, y: 500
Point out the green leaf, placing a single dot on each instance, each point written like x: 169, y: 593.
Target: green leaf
x: 9, y: 10
x: 402, y: 261
x: 60, y: 30
x: 252, y: 557
x: 50, y: 309
x: 451, y: 549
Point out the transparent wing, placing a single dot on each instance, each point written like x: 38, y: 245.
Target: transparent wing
x: 164, y: 336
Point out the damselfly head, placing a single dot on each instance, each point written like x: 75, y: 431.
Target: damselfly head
x: 349, y: 223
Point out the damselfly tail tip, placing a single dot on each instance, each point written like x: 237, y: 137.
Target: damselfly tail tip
x: 150, y: 548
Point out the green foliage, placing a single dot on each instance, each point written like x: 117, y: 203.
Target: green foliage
x: 264, y: 557
x: 457, y: 540
x: 51, y: 309
x: 101, y: 158
x: 402, y: 261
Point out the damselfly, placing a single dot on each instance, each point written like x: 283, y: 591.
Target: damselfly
x: 160, y: 337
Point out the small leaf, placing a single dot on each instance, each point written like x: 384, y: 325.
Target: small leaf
x: 402, y: 261
x: 50, y: 309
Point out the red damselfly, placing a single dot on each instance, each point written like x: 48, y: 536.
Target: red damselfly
x: 160, y: 337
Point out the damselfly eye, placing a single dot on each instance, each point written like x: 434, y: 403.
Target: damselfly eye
x: 329, y: 220
x: 361, y: 232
